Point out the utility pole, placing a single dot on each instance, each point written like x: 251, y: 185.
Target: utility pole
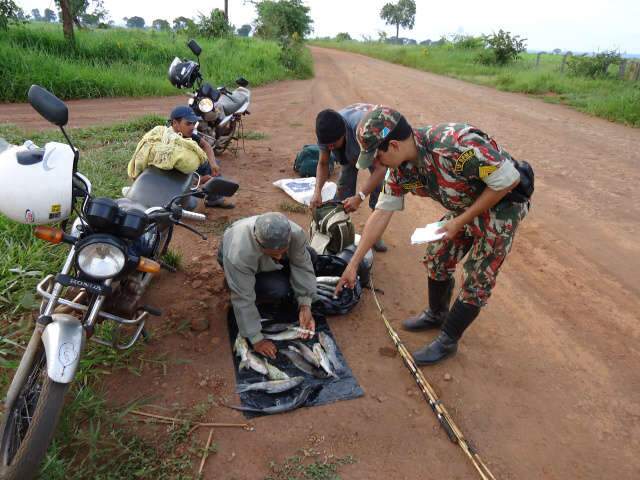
x: 226, y: 10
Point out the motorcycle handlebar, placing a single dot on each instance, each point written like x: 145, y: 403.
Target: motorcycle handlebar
x: 193, y: 216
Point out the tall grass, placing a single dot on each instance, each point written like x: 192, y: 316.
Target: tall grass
x: 610, y: 98
x: 121, y: 62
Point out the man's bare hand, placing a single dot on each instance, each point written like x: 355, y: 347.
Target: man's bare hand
x: 347, y: 280
x: 266, y: 348
x: 215, y: 170
x: 306, y: 321
x: 351, y: 204
x: 316, y: 200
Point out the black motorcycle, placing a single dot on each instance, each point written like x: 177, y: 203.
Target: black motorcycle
x: 116, y: 247
x: 220, y: 109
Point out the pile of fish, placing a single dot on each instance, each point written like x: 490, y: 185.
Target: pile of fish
x: 320, y: 360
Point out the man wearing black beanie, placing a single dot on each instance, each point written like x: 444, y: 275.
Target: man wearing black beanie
x: 336, y: 133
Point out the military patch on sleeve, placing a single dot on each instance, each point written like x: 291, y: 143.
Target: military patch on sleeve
x: 487, y: 170
x: 462, y: 159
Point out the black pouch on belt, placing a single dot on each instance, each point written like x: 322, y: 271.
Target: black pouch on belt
x: 523, y: 192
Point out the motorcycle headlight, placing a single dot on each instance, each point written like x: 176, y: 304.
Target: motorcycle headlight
x: 205, y: 105
x: 101, y: 260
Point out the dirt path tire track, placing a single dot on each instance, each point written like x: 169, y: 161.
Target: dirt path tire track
x: 546, y: 382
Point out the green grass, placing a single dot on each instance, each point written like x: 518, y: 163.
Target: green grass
x: 292, y: 207
x: 610, y: 98
x: 254, y: 135
x: 310, y: 465
x: 122, y: 62
x: 173, y: 259
x: 93, y: 440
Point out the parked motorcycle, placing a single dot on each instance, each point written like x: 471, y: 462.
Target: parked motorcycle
x: 221, y: 110
x: 116, y: 247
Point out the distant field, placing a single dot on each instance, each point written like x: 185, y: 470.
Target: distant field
x: 610, y: 98
x: 121, y: 62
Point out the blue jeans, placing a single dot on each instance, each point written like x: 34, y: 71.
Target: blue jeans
x: 347, y: 185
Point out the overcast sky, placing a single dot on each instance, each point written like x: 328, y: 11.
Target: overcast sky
x: 547, y: 24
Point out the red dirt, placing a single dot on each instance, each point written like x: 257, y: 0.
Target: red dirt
x: 545, y: 383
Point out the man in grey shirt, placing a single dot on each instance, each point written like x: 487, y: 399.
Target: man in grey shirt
x: 336, y: 134
x: 266, y: 256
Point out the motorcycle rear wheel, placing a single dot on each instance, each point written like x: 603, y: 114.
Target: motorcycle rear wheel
x: 29, y: 424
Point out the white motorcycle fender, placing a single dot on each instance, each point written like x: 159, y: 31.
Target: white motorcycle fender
x: 63, y: 340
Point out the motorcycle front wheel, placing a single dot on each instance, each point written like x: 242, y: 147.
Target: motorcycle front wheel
x: 29, y: 424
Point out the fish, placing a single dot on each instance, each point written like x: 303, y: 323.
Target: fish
x: 332, y: 351
x: 274, y: 373
x: 289, y: 334
x: 277, y: 327
x: 248, y: 359
x: 301, y: 364
x: 273, y: 386
x: 280, y: 407
x: 308, y: 354
x: 324, y: 360
x: 328, y: 280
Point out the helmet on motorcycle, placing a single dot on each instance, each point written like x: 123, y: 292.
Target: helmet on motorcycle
x: 183, y: 74
x: 36, y: 185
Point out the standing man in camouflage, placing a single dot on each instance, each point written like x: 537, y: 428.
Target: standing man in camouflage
x: 468, y: 173
x: 336, y: 133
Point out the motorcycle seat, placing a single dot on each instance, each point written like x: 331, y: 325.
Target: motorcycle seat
x: 155, y: 187
x: 231, y: 104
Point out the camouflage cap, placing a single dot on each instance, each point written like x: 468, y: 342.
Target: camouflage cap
x: 372, y: 130
x: 272, y: 231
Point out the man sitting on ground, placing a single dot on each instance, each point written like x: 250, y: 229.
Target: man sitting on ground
x: 266, y: 259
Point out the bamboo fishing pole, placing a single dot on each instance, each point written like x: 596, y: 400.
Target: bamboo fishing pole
x: 446, y: 421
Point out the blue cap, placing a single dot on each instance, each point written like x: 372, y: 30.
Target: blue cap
x: 184, y: 111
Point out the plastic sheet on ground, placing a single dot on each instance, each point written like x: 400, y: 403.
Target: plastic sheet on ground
x: 301, y: 189
x: 330, y: 389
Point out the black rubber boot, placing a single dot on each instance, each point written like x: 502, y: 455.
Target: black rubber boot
x: 446, y: 344
x: 440, y: 292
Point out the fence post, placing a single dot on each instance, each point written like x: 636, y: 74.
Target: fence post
x: 636, y: 75
x: 538, y: 58
x: 623, y: 68
x: 564, y: 61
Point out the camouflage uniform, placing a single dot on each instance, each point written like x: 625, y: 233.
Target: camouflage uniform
x: 456, y: 162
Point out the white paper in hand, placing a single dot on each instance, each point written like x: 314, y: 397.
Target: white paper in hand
x: 427, y: 234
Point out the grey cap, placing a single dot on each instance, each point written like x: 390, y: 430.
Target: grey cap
x: 272, y: 231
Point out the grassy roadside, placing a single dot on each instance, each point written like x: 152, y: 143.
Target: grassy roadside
x: 610, y: 98
x: 121, y: 62
x: 93, y: 440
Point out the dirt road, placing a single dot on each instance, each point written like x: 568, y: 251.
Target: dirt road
x: 546, y: 383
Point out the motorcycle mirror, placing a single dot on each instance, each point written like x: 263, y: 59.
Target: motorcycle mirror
x: 242, y: 82
x: 220, y: 186
x: 48, y: 105
x: 194, y: 47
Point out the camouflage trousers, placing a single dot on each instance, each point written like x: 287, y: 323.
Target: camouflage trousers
x: 487, y: 241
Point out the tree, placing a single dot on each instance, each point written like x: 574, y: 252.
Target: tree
x: 342, y: 36
x: 401, y: 14
x: 244, y: 30
x: 183, y: 23
x: 67, y: 20
x: 502, y: 48
x: 557, y: 51
x: 35, y: 14
x: 9, y: 13
x: 80, y: 13
x: 50, y: 15
x: 215, y: 25
x: 160, y: 24
x: 282, y: 19
x: 134, y: 22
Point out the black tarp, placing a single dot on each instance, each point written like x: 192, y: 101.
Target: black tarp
x: 329, y: 390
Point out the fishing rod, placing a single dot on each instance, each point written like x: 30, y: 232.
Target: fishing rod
x: 446, y: 421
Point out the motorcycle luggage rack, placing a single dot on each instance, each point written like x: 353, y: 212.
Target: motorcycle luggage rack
x: 44, y: 290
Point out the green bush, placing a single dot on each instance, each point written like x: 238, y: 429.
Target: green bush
x: 342, y: 36
x: 595, y: 66
x: 215, y: 25
x: 468, y: 42
x: 502, y: 48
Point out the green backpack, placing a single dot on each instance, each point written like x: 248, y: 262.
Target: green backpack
x: 307, y: 159
x: 331, y: 229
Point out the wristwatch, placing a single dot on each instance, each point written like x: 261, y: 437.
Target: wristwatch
x: 362, y: 195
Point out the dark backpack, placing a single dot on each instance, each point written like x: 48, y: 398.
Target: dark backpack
x: 331, y: 229
x: 306, y: 161
x: 523, y: 192
x: 324, y: 303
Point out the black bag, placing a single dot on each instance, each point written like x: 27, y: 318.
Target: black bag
x: 523, y: 192
x: 324, y: 303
